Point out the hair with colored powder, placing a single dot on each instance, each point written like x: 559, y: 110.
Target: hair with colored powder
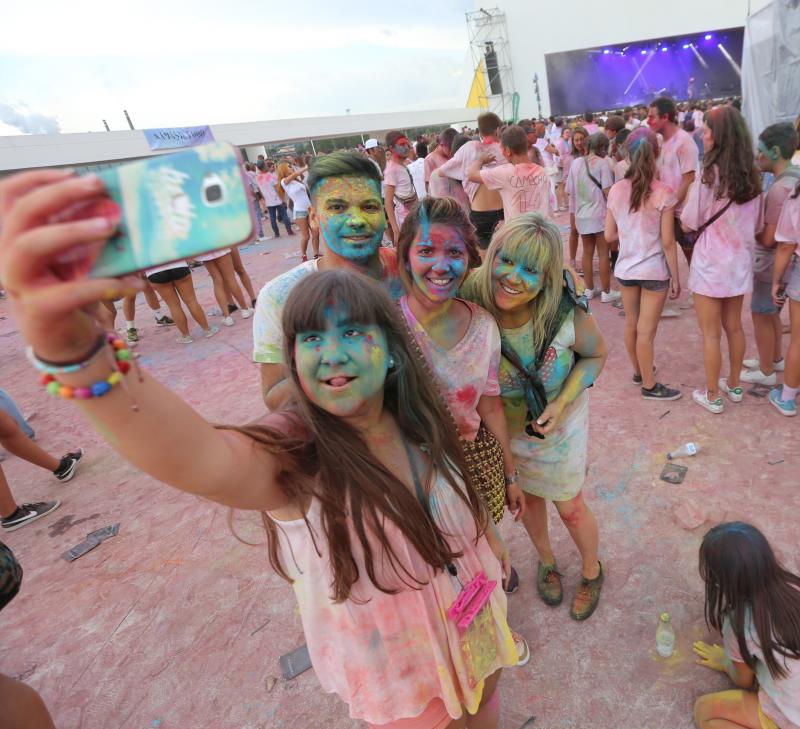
x: 328, y: 460
x: 783, y: 136
x: 642, y: 148
x: 730, y: 163
x: 488, y: 123
x: 597, y: 144
x: 392, y: 138
x: 515, y: 140
x: 619, y: 140
x: 341, y: 164
x: 742, y: 576
x: 535, y: 241
x: 430, y: 210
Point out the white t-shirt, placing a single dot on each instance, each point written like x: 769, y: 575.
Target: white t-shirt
x: 457, y: 166
x: 266, y: 182
x: 417, y: 170
x: 297, y: 191
x: 677, y: 157
x: 547, y: 158
x: 586, y: 199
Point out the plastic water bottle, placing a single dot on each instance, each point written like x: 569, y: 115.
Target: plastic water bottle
x: 665, y: 636
x: 688, y: 449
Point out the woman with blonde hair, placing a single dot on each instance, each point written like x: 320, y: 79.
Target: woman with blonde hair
x: 552, y: 350
x: 289, y: 183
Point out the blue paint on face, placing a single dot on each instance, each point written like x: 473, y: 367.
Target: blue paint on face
x: 437, y: 260
x: 516, y: 283
x: 343, y: 367
x: 349, y: 211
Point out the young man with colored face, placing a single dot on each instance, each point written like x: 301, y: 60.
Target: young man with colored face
x: 347, y: 210
x: 486, y: 205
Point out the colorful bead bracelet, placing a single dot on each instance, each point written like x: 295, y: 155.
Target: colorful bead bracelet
x: 122, y: 356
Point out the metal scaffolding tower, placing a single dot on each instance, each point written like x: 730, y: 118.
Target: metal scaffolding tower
x: 488, y: 42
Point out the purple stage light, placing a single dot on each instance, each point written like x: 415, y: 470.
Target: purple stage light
x: 708, y: 36
x: 663, y: 49
x: 643, y: 52
x: 606, y: 52
x: 685, y: 46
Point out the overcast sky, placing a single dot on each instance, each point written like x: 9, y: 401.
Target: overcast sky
x: 67, y: 66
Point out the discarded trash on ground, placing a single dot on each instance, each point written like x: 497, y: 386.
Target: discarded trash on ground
x: 759, y: 390
x: 687, y: 449
x: 673, y: 473
x: 296, y: 662
x: 92, y: 540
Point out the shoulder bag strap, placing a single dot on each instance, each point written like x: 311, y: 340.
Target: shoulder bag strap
x: 712, y: 219
x: 591, y: 176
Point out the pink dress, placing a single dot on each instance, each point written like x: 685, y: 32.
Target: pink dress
x: 641, y: 253
x: 389, y: 656
x: 722, y: 261
x: 467, y: 371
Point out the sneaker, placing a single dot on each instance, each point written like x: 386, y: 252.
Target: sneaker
x: 228, y: 321
x: 511, y: 585
x: 713, y: 406
x: 247, y: 313
x: 618, y: 304
x: 133, y: 335
x: 523, y: 650
x: 754, y: 364
x: 214, y: 311
x: 661, y: 392
x: 67, y: 465
x: 587, y: 597
x: 784, y: 407
x: 688, y: 304
x: 734, y: 393
x: 232, y: 308
x: 757, y: 377
x: 26, y: 513
x: 607, y: 298
x: 304, y: 258
x: 164, y: 321
x: 590, y: 293
x: 548, y: 584
x: 210, y: 332
x: 637, y: 379
x: 184, y: 340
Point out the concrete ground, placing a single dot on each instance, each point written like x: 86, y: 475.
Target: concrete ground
x: 176, y: 624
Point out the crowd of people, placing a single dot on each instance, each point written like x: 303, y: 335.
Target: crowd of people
x: 432, y: 369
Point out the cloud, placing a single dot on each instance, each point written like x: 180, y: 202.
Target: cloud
x: 28, y: 121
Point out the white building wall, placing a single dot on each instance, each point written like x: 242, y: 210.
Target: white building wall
x: 536, y: 27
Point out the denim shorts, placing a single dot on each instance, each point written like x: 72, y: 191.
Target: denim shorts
x: 645, y: 284
x: 793, y: 287
x: 300, y: 214
x: 762, y: 302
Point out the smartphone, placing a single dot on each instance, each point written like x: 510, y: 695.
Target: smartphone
x: 172, y: 207
x: 296, y: 662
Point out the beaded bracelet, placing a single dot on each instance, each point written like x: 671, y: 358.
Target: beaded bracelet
x: 122, y: 362
x: 53, y: 368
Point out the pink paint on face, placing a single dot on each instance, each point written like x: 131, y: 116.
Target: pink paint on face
x: 438, y: 262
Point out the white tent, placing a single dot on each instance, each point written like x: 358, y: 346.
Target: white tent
x: 771, y: 65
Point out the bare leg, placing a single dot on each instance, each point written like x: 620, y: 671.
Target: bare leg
x: 186, y: 291
x: 791, y: 375
x: 709, y: 317
x: 777, y: 328
x: 650, y: 308
x: 582, y: 526
x: 535, y: 522
x: 735, y: 709
x: 630, y: 303
x: 107, y: 314
x: 588, y: 260
x: 302, y: 223
x: 150, y: 296
x: 604, y: 261
x: 732, y: 324
x: 225, y: 266
x: 488, y: 714
x: 241, y: 272
x: 129, y: 307
x: 170, y: 295
x: 7, y: 503
x: 315, y: 242
x: 15, y: 441
x: 573, y: 238
x: 219, y: 286
x: 23, y: 708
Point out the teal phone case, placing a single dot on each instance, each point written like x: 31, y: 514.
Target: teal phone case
x: 176, y: 206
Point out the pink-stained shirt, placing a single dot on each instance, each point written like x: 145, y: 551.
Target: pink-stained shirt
x: 590, y: 127
x: 457, y: 166
x: 389, y: 656
x: 524, y: 188
x: 564, y: 155
x: 779, y: 698
x: 433, y: 161
x: 466, y: 371
x: 788, y: 230
x: 620, y: 168
x: 774, y: 199
x: 586, y: 200
x: 641, y: 254
x: 267, y: 182
x: 400, y: 177
x: 722, y: 261
x: 443, y: 186
x: 678, y: 156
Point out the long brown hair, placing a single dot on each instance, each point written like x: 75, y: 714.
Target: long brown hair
x: 742, y: 575
x: 731, y: 158
x: 579, y: 129
x: 642, y: 148
x: 332, y: 463
x: 283, y: 170
x: 430, y: 210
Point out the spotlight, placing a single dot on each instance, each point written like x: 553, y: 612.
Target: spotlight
x: 708, y: 36
x: 606, y: 51
x: 643, y: 52
x: 663, y: 49
x: 685, y: 46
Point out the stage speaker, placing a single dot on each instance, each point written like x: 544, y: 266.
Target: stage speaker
x: 492, y: 71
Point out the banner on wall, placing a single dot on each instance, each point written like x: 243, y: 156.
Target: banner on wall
x: 174, y: 137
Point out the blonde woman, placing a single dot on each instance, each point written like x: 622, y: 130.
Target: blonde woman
x: 290, y: 183
x: 552, y: 352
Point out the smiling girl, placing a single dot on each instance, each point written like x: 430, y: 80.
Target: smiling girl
x: 552, y: 351
x: 363, y: 492
x: 436, y: 249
